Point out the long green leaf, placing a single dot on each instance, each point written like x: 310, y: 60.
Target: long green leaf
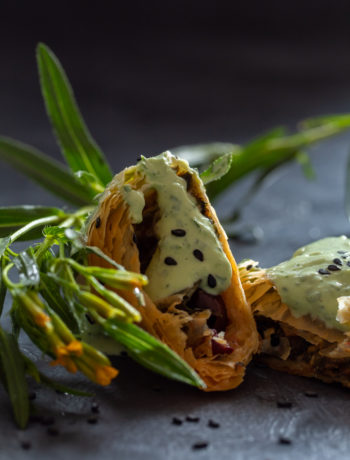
x: 150, y: 352
x: 14, y: 217
x: 79, y: 148
x: 47, y: 172
x: 3, y: 288
x: 4, y: 243
x: 16, y: 384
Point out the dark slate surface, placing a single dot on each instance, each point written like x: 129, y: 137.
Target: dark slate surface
x: 145, y: 87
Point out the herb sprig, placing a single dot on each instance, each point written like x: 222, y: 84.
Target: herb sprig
x: 55, y: 293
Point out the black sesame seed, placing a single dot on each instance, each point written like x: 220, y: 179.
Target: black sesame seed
x: 341, y: 252
x: 52, y: 431
x: 284, y: 441
x: 213, y: 424
x: 274, y: 340
x: 32, y: 396
x: 48, y: 420
x: 333, y: 268
x: 198, y: 254
x: 323, y: 271
x: 176, y: 421
x: 178, y: 232
x: 95, y: 408
x: 138, y: 159
x: 191, y: 418
x: 311, y: 394
x: 337, y: 261
x: 88, y: 317
x: 92, y: 420
x: 26, y: 445
x: 284, y: 404
x: 348, y: 264
x: 98, y: 222
x: 249, y: 267
x: 35, y: 418
x: 134, y: 238
x: 211, y: 281
x: 200, y: 445
x: 170, y: 261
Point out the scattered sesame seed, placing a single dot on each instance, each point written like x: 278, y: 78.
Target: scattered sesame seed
x: 95, y: 408
x: 213, y: 424
x: 26, y: 445
x: 52, y: 431
x: 323, y: 271
x: 191, y: 418
x: 178, y: 232
x: 47, y: 420
x: 176, y: 421
x: 249, y: 267
x: 198, y: 254
x: 36, y: 418
x: 98, y: 222
x: 200, y: 445
x: 337, y: 261
x: 348, y: 264
x: 170, y: 261
x: 92, y: 420
x: 284, y: 404
x: 311, y: 394
x: 284, y: 441
x: 333, y: 268
x: 211, y: 281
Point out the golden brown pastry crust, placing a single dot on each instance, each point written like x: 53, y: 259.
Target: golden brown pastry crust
x: 114, y: 235
x: 327, y: 356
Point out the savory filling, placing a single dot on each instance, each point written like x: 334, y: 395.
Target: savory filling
x: 184, y: 278
x: 284, y: 342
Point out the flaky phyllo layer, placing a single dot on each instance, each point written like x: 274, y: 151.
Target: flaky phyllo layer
x: 298, y: 345
x: 212, y: 329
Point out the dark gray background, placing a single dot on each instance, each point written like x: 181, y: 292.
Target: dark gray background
x: 149, y: 76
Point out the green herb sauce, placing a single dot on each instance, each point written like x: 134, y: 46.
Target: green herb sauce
x: 174, y: 266
x: 136, y: 202
x: 305, y: 289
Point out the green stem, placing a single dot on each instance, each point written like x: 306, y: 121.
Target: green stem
x: 34, y: 224
x: 6, y: 278
x: 43, y: 247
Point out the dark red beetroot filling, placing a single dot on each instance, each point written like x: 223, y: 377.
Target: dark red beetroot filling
x: 217, y: 321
